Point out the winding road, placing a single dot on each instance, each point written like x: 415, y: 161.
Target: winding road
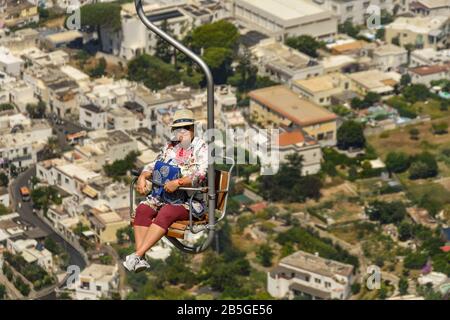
x: 25, y: 210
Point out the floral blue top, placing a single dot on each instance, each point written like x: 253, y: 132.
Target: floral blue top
x: 192, y: 161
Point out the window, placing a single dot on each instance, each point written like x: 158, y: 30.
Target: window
x: 99, y: 288
x: 349, y: 9
x: 25, y: 151
x: 66, y: 181
x: 317, y: 280
x: 327, y: 284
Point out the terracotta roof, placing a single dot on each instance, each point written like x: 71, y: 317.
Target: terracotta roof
x: 288, y: 138
x: 427, y: 70
x: 257, y: 207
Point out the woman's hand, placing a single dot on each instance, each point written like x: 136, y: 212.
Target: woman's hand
x: 171, y: 186
x: 141, y: 184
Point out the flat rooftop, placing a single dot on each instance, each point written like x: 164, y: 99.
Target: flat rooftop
x: 375, y: 79
x: 422, y: 25
x: 284, y: 9
x: 283, y: 56
x: 310, y: 262
x: 289, y: 104
x: 321, y: 83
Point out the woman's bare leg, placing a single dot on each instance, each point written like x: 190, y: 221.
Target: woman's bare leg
x: 153, y: 235
x: 165, y: 217
x: 142, y: 222
x: 139, y: 235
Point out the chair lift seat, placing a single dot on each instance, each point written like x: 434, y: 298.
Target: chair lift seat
x: 179, y: 228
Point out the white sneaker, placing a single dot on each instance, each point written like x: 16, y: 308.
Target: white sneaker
x: 135, y: 263
x: 130, y: 256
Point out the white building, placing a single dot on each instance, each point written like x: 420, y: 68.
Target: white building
x: 286, y: 18
x: 20, y: 148
x: 284, y: 64
x: 354, y: 11
x: 134, y: 38
x: 97, y: 281
x: 389, y: 57
x: 429, y: 56
x: 9, y: 63
x: 70, y: 177
x: 32, y: 252
x: 299, y: 143
x: 426, y: 74
x: 430, y: 7
x: 421, y: 32
x: 303, y: 273
x: 93, y: 117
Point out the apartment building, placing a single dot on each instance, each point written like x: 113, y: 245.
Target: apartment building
x: 97, y: 281
x: 93, y: 117
x: 420, y: 32
x: 16, y: 13
x: 354, y: 11
x: 31, y: 251
x: 321, y: 89
x: 279, y: 106
x: 306, y: 274
x: 298, y: 142
x: 134, y: 38
x: 374, y: 80
x: 9, y: 63
x: 20, y: 148
x: 426, y: 74
x: 286, y: 18
x: 284, y: 64
x: 430, y: 7
x: 429, y: 56
x: 105, y: 223
x: 389, y: 57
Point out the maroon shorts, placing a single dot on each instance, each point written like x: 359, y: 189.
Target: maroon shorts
x: 164, y: 217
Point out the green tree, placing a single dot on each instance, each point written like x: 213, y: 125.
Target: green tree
x: 405, y: 231
x: 246, y: 73
x: 405, y: 80
x: 306, y: 44
x: 386, y: 212
x: 36, y: 111
x: 348, y: 28
x: 289, y: 185
x: 163, y: 50
x: 351, y: 135
x: 120, y: 167
x: 423, y: 166
x: 397, y: 162
x: 219, y: 59
x: 220, y: 34
x: 403, y: 286
x: 157, y: 75
x: 52, y: 246
x: 2, y: 292
x: 265, y: 255
x: 414, y: 134
x: 440, y: 128
x: 101, y: 16
x: 416, y: 92
x: 4, y: 180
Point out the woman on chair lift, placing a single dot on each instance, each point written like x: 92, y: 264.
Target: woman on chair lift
x: 182, y: 162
